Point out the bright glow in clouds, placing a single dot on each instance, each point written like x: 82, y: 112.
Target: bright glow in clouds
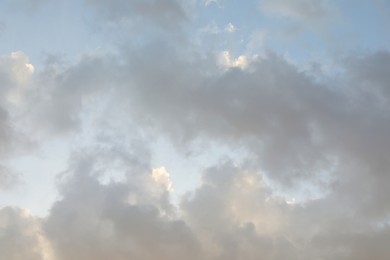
x: 229, y: 62
x: 161, y: 175
x: 194, y: 129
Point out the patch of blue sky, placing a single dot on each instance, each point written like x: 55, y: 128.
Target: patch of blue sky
x: 366, y: 24
x: 56, y: 27
x: 244, y: 16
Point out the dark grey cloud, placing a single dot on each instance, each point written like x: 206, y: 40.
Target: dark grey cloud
x: 370, y: 73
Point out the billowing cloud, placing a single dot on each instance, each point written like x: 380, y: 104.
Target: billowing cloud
x: 289, y: 123
x: 21, y: 236
x: 289, y: 131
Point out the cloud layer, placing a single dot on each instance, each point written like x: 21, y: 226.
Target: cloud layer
x: 301, y: 129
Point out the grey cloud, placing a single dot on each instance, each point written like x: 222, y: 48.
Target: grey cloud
x: 5, y: 132
x: 296, y: 130
x: 60, y: 92
x: 332, y: 134
x: 370, y: 72
x: 15, y: 72
x: 21, y: 236
x: 269, y: 103
x: 244, y: 220
x: 118, y: 220
x: 232, y: 215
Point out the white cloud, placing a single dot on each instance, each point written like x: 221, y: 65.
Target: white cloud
x: 230, y: 28
x: 209, y: 2
x: 229, y: 62
x: 160, y: 175
x: 16, y: 73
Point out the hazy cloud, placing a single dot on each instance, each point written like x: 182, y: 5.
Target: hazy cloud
x: 7, y: 179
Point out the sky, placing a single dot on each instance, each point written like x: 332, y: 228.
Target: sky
x: 194, y: 129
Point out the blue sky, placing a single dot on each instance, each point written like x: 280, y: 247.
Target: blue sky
x: 194, y: 129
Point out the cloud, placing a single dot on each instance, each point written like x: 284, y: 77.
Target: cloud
x: 122, y: 219
x: 21, y: 236
x: 297, y: 132
x: 230, y: 28
x: 15, y: 74
x: 58, y: 93
x: 160, y: 175
x: 233, y: 214
x: 209, y: 2
x: 369, y: 72
x: 7, y: 178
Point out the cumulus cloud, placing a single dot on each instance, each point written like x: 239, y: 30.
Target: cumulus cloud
x: 330, y: 136
x: 232, y: 215
x: 290, y: 124
x: 125, y: 219
x: 21, y: 236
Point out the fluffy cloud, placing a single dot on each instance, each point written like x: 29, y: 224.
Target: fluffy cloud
x: 118, y: 220
x: 232, y: 215
x: 289, y: 123
x: 329, y: 135
x: 21, y: 236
